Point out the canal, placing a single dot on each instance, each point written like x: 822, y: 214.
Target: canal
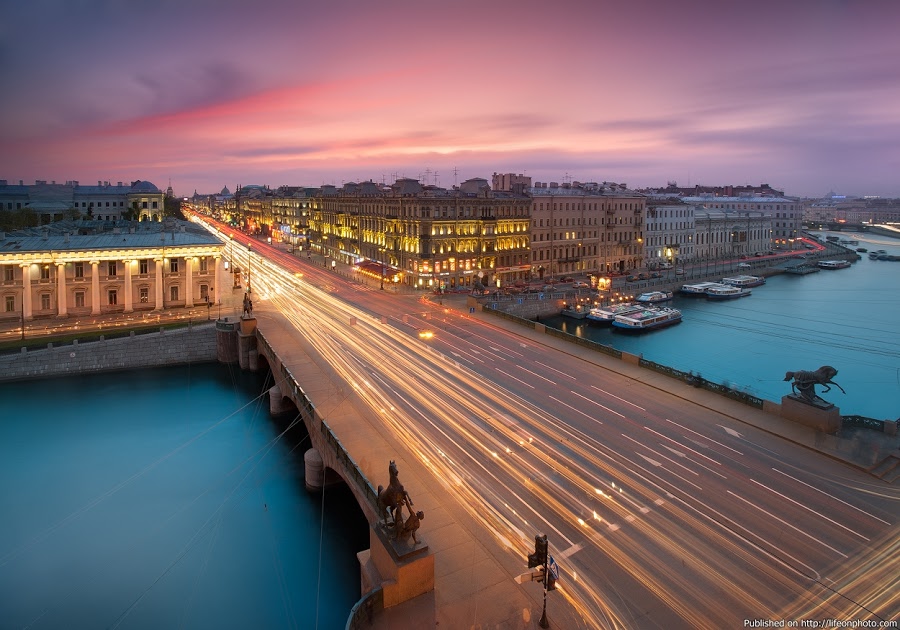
x: 845, y: 318
x: 166, y: 498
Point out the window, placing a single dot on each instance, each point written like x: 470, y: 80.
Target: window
x: 113, y: 296
x: 203, y: 264
x: 10, y: 304
x: 111, y: 268
x: 144, y: 266
x: 79, y: 270
x: 8, y: 273
x: 173, y: 293
x: 155, y: 205
x: 45, y: 272
x: 79, y: 299
x: 45, y: 301
x: 145, y: 295
x: 144, y: 205
x: 173, y: 265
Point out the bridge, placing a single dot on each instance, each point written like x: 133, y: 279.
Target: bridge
x: 346, y: 446
x: 463, y: 577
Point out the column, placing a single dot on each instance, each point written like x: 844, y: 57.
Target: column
x: 128, y: 295
x: 218, y: 280
x: 189, y: 281
x: 159, y: 284
x: 61, y: 290
x: 26, y: 291
x: 95, y: 288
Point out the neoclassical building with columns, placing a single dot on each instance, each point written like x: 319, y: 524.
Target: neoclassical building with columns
x: 96, y: 268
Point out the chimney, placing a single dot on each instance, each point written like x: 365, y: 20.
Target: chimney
x: 45, y: 233
x: 99, y: 183
x: 66, y: 237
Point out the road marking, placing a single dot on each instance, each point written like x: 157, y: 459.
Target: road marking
x: 516, y: 379
x: 785, y: 523
x: 537, y: 375
x: 562, y: 555
x: 682, y: 455
x: 665, y: 437
x: 732, y: 432
x: 808, y: 508
x: 627, y: 402
x: 594, y: 402
x: 560, y: 372
x: 565, y: 404
x: 831, y: 496
x: 705, y: 437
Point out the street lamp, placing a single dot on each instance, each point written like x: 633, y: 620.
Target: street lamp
x: 249, y: 259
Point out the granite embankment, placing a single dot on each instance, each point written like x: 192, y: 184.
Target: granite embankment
x: 193, y: 344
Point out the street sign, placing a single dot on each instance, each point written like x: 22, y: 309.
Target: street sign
x: 554, y: 568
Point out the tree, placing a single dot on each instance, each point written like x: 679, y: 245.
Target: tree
x: 132, y: 214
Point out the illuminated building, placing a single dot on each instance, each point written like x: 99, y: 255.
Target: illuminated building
x: 77, y: 268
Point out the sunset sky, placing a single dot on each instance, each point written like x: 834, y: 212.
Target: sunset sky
x: 800, y: 94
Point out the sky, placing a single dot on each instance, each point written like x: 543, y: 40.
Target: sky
x: 803, y: 95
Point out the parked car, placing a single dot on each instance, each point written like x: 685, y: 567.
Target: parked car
x: 679, y: 272
x: 547, y: 287
x: 744, y: 266
x: 568, y: 279
x: 581, y: 285
x: 666, y: 265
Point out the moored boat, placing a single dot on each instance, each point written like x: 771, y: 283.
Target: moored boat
x: 698, y: 288
x: 726, y: 292
x: 579, y: 311
x: 834, y: 264
x: 744, y: 281
x: 878, y: 252
x: 606, y: 314
x: 647, y: 319
x: 654, y: 297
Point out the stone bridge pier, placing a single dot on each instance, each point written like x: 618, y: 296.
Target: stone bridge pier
x: 392, y: 571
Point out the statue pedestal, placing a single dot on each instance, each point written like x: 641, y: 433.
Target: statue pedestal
x: 405, y: 568
x: 819, y: 415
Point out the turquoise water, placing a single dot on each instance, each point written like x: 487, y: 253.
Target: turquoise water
x: 847, y: 318
x: 165, y: 498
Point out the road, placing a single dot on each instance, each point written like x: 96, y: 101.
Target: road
x: 661, y: 514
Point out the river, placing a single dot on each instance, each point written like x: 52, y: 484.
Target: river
x: 166, y: 498
x: 846, y: 318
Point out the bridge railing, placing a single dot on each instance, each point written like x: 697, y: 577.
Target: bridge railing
x: 698, y: 381
x: 314, y: 422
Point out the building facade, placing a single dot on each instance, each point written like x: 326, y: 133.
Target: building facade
x: 104, y: 202
x: 78, y: 268
x: 670, y: 233
x: 726, y: 234
x: 585, y: 228
x: 786, y: 214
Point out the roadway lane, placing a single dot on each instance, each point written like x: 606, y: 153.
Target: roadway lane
x: 667, y: 514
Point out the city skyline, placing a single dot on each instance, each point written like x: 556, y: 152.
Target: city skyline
x: 210, y: 94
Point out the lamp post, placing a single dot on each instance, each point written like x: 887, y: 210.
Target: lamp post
x: 249, y: 259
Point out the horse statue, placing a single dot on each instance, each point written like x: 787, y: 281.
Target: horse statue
x: 805, y: 382
x: 391, y: 499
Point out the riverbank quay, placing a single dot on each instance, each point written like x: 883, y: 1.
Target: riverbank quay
x: 872, y: 451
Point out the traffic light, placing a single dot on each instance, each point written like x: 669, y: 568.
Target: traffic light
x: 539, y: 557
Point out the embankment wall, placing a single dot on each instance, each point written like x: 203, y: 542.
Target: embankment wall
x: 195, y: 344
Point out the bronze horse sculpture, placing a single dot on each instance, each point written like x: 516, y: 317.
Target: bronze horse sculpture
x: 805, y: 382
x: 390, y: 499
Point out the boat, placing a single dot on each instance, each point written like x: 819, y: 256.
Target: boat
x: 861, y: 250
x: 848, y: 242
x: 649, y: 318
x: 579, y: 311
x: 696, y: 289
x: 834, y: 264
x: 726, y: 292
x: 606, y: 314
x: 801, y: 270
x: 878, y: 252
x: 744, y: 281
x: 654, y: 297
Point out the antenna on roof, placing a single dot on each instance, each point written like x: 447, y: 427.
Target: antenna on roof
x: 455, y: 173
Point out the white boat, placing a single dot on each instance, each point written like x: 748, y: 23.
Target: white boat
x: 834, y: 264
x: 647, y: 319
x: 606, y: 314
x: 697, y: 289
x: 726, y: 292
x: 654, y: 297
x: 744, y: 281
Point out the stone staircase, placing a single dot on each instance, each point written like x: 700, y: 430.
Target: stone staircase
x: 888, y: 469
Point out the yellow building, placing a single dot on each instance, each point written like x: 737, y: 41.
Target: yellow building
x: 80, y: 268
